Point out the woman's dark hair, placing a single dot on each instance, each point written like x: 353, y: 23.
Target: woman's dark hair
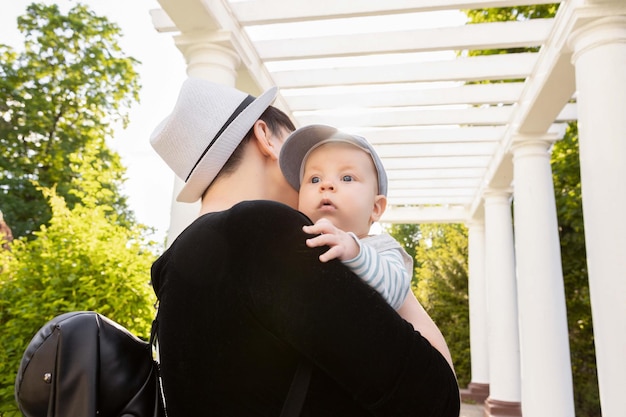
x: 275, y: 119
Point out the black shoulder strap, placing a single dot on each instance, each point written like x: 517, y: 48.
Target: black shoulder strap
x: 153, y: 331
x: 297, y: 390
x: 161, y: 408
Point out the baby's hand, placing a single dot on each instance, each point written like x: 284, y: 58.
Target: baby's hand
x: 342, y: 245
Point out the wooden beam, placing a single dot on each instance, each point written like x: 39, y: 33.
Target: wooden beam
x: 405, y: 94
x: 497, y: 35
x: 414, y: 116
x: 424, y: 214
x: 480, y: 68
x: 260, y: 12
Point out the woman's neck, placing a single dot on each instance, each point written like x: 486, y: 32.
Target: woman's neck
x: 229, y: 190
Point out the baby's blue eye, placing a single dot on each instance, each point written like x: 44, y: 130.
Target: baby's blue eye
x: 315, y: 180
x: 346, y: 178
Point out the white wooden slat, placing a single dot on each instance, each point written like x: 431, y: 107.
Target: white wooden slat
x: 410, y: 117
x: 416, y: 135
x: 497, y: 35
x: 443, y: 183
x: 424, y: 214
x: 407, y: 94
x: 438, y: 200
x: 183, y: 15
x: 271, y: 11
x: 436, y: 163
x: 435, y: 173
x: 492, y: 67
x: 430, y: 192
x: 568, y: 114
x: 436, y: 149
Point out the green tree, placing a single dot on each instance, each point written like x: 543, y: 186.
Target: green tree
x: 62, y: 94
x: 80, y: 261
x: 566, y: 177
x: 535, y: 11
x: 440, y: 282
x: 408, y: 235
x: 442, y: 288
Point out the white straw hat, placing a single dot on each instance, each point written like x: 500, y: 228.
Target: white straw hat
x: 299, y: 145
x: 206, y: 125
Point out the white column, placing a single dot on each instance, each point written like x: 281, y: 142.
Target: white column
x: 547, y: 388
x: 504, y: 367
x: 600, y: 61
x: 207, y: 59
x: 217, y: 64
x: 477, y: 290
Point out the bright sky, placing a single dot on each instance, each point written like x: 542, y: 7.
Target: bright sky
x: 150, y: 181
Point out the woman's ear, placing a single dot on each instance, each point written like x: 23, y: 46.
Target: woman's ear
x: 380, y: 204
x: 263, y: 137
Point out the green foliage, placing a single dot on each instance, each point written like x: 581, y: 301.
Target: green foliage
x: 60, y: 183
x: 408, y: 235
x: 442, y: 288
x: 80, y: 261
x: 566, y: 175
x: 440, y: 283
x: 505, y: 14
x: 61, y: 95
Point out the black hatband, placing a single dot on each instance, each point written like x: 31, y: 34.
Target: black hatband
x: 245, y: 103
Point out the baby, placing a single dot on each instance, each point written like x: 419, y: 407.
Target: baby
x: 342, y: 188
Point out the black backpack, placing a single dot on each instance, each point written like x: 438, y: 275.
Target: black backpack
x: 82, y: 364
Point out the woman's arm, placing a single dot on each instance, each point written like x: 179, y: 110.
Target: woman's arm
x: 413, y: 312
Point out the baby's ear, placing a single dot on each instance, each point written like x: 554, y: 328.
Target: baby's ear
x: 380, y: 204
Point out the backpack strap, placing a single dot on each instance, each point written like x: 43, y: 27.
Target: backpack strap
x: 295, y: 397
x: 297, y: 390
x: 154, y: 348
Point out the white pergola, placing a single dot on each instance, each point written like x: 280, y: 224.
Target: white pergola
x: 398, y: 72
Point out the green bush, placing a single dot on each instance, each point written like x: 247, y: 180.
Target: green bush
x: 81, y: 261
x: 441, y: 285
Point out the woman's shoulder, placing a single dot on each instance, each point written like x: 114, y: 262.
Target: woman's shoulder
x: 267, y: 210
x: 262, y: 205
x: 259, y: 228
x: 254, y: 219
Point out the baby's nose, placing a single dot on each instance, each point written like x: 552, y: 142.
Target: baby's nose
x: 327, y: 185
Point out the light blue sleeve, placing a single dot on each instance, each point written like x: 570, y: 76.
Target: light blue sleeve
x: 383, y: 270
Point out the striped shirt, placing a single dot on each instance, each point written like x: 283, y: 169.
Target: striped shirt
x: 384, y: 265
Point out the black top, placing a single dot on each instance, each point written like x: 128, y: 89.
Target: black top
x: 242, y: 299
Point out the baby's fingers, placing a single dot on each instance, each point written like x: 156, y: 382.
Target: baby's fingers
x: 321, y: 226
x: 320, y: 240
x: 312, y: 229
x: 330, y: 254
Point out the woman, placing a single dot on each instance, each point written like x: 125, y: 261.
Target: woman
x: 244, y: 301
